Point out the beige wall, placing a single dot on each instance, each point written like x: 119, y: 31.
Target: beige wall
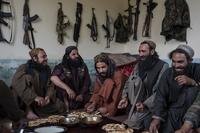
x: 45, y: 34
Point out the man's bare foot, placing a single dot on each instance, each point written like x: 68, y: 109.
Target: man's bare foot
x: 31, y: 116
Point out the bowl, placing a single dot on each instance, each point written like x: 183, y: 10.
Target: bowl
x: 70, y: 120
x: 92, y: 120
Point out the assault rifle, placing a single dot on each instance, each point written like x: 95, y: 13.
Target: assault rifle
x: 93, y: 27
x: 107, y: 29
x: 146, y: 30
x: 129, y: 18
x: 27, y: 25
x: 137, y: 13
x: 61, y: 25
x: 2, y: 21
x: 77, y: 25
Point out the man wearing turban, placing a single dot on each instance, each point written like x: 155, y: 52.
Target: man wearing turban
x: 72, y: 79
x: 178, y: 88
x: 108, y: 87
x: 31, y: 84
x: 140, y: 88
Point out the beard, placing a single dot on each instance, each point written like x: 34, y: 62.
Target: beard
x: 75, y: 62
x: 181, y: 72
x: 103, y: 74
x: 38, y: 66
x: 148, y: 62
x: 44, y: 63
x: 41, y: 66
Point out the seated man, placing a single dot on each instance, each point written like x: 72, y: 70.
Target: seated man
x: 108, y: 87
x: 141, y: 86
x: 72, y: 79
x: 177, y: 91
x: 192, y: 118
x: 31, y: 84
x: 8, y: 106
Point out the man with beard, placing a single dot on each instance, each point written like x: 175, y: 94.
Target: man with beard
x: 108, y: 87
x: 72, y: 79
x: 141, y: 86
x: 31, y: 84
x: 177, y: 90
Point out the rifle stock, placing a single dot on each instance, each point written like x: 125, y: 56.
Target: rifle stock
x: 2, y: 21
x: 137, y: 13
x: 107, y: 28
x: 146, y: 30
x: 129, y: 18
x: 93, y: 27
x: 61, y: 25
x: 27, y: 24
x: 77, y: 25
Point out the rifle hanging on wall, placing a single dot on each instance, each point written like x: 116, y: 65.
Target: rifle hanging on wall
x: 77, y: 25
x: 146, y: 30
x: 136, y: 14
x: 129, y: 18
x: 27, y: 25
x: 93, y: 27
x: 61, y: 25
x: 3, y: 22
x: 107, y: 29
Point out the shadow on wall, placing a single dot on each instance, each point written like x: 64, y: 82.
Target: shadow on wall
x: 8, y: 67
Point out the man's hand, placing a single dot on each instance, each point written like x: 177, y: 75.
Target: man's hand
x: 186, y: 128
x: 47, y: 100
x: 140, y: 106
x: 71, y: 93
x: 79, y: 98
x: 102, y: 110
x: 40, y: 101
x: 123, y: 103
x: 154, y: 126
x: 184, y: 80
x: 90, y: 108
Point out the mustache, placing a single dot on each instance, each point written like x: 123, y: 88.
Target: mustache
x: 179, y: 67
x: 141, y: 57
x: 102, y: 73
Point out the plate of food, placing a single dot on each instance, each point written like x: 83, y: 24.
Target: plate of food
x: 116, y: 128
x: 50, y: 129
x: 53, y: 119
x: 78, y: 114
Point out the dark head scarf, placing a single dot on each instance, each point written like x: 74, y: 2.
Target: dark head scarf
x: 68, y: 62
x: 111, y: 66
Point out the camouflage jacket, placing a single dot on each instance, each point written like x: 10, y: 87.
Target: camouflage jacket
x: 193, y: 114
x: 176, y: 20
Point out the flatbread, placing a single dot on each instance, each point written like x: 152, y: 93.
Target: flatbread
x: 53, y: 119
x: 83, y: 114
x: 56, y: 118
x: 116, y: 128
x: 37, y: 122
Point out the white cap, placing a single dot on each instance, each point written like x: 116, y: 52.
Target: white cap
x: 189, y: 50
